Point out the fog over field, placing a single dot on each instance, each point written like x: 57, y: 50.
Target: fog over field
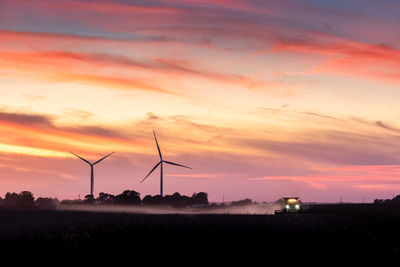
x: 164, y: 209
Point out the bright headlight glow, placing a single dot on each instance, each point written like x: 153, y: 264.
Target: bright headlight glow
x: 287, y: 207
x: 297, y: 206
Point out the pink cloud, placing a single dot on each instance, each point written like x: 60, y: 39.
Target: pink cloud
x: 108, y: 7
x: 90, y: 68
x: 207, y: 175
x: 347, y: 57
x: 372, y: 177
x: 226, y: 4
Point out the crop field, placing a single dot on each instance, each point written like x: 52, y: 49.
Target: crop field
x: 324, y: 229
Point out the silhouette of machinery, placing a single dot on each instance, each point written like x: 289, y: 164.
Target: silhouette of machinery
x: 289, y: 205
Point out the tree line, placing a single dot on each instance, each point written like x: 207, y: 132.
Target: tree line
x: 25, y: 199
x: 394, y: 200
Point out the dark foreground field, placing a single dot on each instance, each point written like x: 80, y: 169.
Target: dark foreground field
x: 333, y: 231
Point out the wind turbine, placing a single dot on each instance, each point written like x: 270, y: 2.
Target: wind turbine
x: 161, y: 166
x: 91, y: 168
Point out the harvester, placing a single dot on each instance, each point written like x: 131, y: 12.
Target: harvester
x: 289, y: 205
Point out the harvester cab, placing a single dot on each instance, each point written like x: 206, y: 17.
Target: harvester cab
x: 289, y: 205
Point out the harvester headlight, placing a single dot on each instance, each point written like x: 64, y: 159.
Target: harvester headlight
x: 297, y: 206
x: 287, y: 207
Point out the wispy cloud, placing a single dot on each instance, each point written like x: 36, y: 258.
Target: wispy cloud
x: 45, y: 135
x: 206, y: 175
x: 364, y: 177
x: 94, y: 69
x: 345, y: 56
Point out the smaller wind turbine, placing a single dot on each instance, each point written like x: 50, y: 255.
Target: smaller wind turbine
x: 161, y: 166
x: 91, y: 168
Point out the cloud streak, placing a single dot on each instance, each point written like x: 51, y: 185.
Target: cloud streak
x: 45, y: 135
x: 364, y: 177
x: 346, y: 56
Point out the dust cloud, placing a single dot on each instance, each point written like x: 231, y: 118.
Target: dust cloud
x: 256, y: 209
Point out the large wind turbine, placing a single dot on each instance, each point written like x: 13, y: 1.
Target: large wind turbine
x: 161, y: 166
x: 91, y: 168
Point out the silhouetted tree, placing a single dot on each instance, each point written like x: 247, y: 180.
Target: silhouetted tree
x: 89, y: 199
x: 147, y: 200
x: 199, y: 199
x: 24, y: 199
x: 153, y: 200
x: 128, y: 197
x: 177, y: 200
x: 105, y: 198
x: 11, y: 200
x: 396, y: 200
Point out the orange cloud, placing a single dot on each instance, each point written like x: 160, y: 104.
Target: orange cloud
x: 39, y: 132
x: 83, y: 69
x: 105, y: 81
x: 94, y: 68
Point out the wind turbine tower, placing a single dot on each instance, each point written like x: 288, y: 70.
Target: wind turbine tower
x: 91, y: 168
x: 160, y: 163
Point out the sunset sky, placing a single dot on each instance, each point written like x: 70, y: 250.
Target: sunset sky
x: 261, y: 98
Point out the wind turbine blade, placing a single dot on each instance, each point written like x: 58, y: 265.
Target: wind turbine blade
x: 159, y: 151
x: 103, y: 158
x: 81, y: 158
x: 176, y: 164
x: 151, y: 171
